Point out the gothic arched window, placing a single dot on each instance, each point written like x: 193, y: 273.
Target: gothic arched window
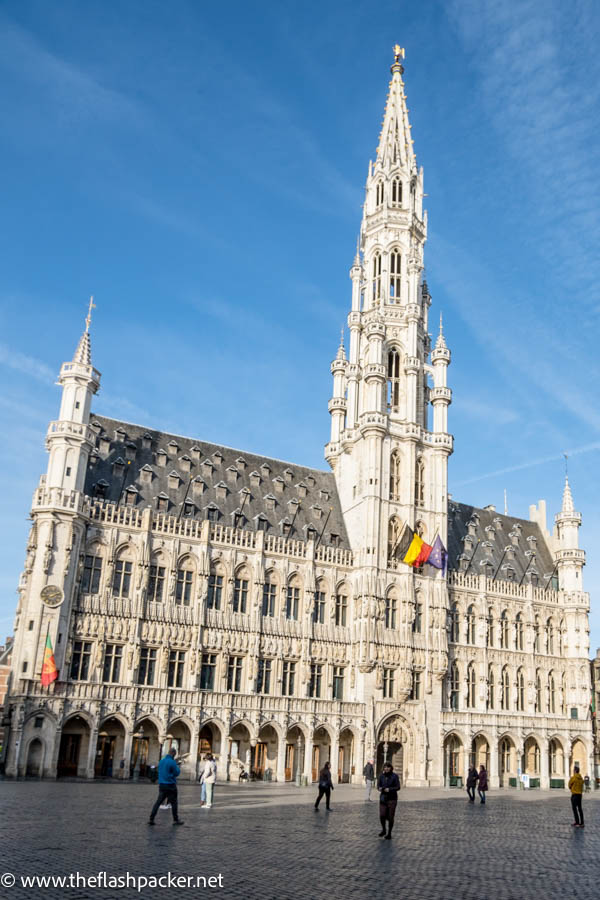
x: 504, y: 630
x: 391, y: 610
x: 470, y: 625
x: 395, y: 469
x: 490, y: 628
x: 551, y: 693
x: 395, y: 273
x: 185, y: 582
x: 377, y: 276
x: 454, y: 623
x: 491, y: 688
x: 538, y: 691
x: 397, y: 191
x: 454, y: 686
x: 379, y: 194
x: 393, y: 380
x: 536, y: 635
x: 550, y: 634
x: 520, y: 690
x: 505, y: 689
x: 471, y: 686
x: 419, y: 482
x: 519, y: 632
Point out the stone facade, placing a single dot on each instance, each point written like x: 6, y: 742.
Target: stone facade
x: 210, y: 599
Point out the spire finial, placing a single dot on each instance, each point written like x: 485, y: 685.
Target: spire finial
x: 441, y: 324
x: 341, y: 354
x: 440, y: 344
x: 357, y: 257
x: 567, y: 502
x: 88, y: 318
x: 398, y: 55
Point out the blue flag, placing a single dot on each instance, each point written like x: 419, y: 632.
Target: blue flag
x: 438, y: 556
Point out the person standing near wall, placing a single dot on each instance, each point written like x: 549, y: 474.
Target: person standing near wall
x: 388, y: 786
x: 369, y: 775
x: 576, y: 788
x: 209, y: 777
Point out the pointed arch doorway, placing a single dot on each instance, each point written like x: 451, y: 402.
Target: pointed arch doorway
x: 391, y: 741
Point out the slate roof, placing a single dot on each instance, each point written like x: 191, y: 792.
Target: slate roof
x: 209, y: 475
x: 522, y: 536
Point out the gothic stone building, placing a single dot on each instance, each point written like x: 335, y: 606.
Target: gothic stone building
x: 208, y: 598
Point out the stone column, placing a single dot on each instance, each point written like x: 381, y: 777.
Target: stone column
x: 52, y: 755
x: 128, y: 741
x: 308, y: 752
x: 193, y: 757
x: 335, y: 749
x: 281, y: 748
x: 467, y: 758
x: 91, y: 757
x: 544, y: 766
x: 567, y: 762
x: 493, y: 774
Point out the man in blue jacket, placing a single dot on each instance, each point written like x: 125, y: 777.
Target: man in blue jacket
x: 168, y: 770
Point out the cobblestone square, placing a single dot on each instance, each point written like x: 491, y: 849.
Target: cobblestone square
x: 268, y: 842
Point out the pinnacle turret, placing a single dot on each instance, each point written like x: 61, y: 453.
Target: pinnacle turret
x: 341, y: 354
x: 395, y: 143
x: 567, y: 501
x: 440, y: 344
x: 83, y: 353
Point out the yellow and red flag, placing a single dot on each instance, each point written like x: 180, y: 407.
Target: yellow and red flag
x: 49, y: 670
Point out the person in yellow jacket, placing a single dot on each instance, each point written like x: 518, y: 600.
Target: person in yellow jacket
x: 576, y: 788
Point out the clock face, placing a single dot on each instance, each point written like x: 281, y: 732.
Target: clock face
x: 52, y: 595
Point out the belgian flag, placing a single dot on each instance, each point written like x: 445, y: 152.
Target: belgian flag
x: 49, y: 670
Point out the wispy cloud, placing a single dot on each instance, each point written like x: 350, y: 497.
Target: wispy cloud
x: 574, y: 451
x: 29, y: 365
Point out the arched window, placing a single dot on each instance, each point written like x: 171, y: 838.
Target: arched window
x: 320, y: 601
x: 551, y: 693
x: 556, y: 759
x: 538, y: 691
x: 504, y: 630
x: 454, y: 623
x: 156, y: 580
x: 241, y: 587
x: 471, y: 686
x: 377, y: 276
x: 395, y: 276
x: 505, y: 690
x: 491, y: 699
x: 379, y: 194
x: 391, y: 610
x: 536, y: 635
x: 470, y: 633
x: 397, y: 191
x: 550, y: 636
x: 564, y: 694
x: 417, y: 625
x: 419, y: 482
x: 454, y: 686
x: 122, y: 573
x: 185, y: 582
x: 490, y: 628
x: 519, y: 632
x: 215, y: 587
x: 341, y: 605
x: 92, y: 569
x: 292, y: 601
x: 395, y: 470
x: 520, y: 690
x: 393, y: 380
x: 269, y: 604
x: 394, y: 535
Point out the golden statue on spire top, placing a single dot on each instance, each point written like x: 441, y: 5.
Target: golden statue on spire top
x: 398, y: 52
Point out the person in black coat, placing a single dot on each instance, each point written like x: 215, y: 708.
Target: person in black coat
x: 388, y: 785
x: 472, y: 778
x: 325, y: 785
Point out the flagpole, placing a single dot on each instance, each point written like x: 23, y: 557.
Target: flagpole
x: 472, y: 556
x: 324, y: 527
x: 44, y: 653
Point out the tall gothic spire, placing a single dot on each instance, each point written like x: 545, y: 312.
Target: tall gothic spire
x: 83, y: 353
x: 395, y: 143
x: 567, y: 501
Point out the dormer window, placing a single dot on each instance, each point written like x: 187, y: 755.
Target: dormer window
x: 161, y: 457
x: 265, y: 470
x: 288, y: 475
x: 510, y: 573
x: 146, y: 441
x: 196, y: 452
x: 174, y: 480
x: 261, y: 523
x: 487, y: 547
x: 534, y: 578
x: 120, y: 435
x: 317, y: 511
x: 279, y: 484
x: 131, y: 495
x: 286, y: 528
x: 162, y: 502
x: 532, y: 541
x: 509, y: 552
x: 311, y: 533
x: 239, y: 519
x: 254, y: 479
x: 497, y: 522
x: 221, y: 490
x: 218, y: 458
x: 463, y: 562
x: 334, y: 539
x: 172, y: 448
x: 324, y: 495
x: 188, y: 509
x: 198, y: 486
x: 270, y: 502
x: 207, y: 467
x: 118, y: 466
x: 302, y: 489
x: 185, y: 463
x: 490, y: 532
x: 130, y: 450
x: 94, y: 457
x: 472, y: 526
x: 96, y: 427
x: 241, y: 463
x: 212, y: 513
x: 104, y: 444
x: 100, y: 489
x: 232, y: 474
x: 310, y: 481
x: 514, y: 536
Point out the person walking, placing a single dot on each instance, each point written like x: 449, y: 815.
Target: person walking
x: 369, y: 775
x: 482, y: 786
x: 472, y: 777
x: 388, y: 785
x: 576, y: 788
x: 325, y: 786
x: 209, y: 777
x: 168, y: 771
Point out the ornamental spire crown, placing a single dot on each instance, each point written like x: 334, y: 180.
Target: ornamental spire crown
x: 395, y: 143
x: 83, y: 352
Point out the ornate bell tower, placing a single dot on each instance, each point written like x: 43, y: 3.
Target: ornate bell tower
x: 389, y: 458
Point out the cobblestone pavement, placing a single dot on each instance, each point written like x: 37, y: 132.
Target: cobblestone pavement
x: 267, y: 842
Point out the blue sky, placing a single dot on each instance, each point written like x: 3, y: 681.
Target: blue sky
x: 200, y: 169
